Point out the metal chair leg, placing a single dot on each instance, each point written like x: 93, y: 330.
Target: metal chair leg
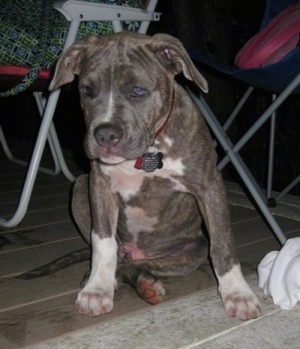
x: 239, y: 166
x: 270, y: 200
x: 34, y: 163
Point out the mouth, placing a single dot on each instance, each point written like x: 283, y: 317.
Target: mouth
x: 111, y: 159
x: 110, y: 155
x: 115, y: 153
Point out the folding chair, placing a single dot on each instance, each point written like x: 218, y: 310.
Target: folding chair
x: 280, y: 79
x: 76, y: 13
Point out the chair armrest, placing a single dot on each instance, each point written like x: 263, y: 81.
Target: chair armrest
x: 89, y: 11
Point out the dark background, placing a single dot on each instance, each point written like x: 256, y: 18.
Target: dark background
x: 218, y: 29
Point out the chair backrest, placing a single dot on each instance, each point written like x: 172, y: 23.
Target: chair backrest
x: 273, y: 8
x: 273, y: 78
x: 274, y: 41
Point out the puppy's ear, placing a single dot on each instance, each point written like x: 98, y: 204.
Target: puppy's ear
x: 69, y: 63
x: 175, y: 59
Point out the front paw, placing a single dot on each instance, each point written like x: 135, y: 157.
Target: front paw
x: 238, y: 298
x: 95, y: 302
x: 243, y: 305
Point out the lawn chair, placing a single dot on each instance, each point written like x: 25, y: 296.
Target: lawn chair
x: 281, y: 80
x: 32, y: 70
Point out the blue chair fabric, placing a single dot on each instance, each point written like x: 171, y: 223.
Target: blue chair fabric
x: 272, y: 78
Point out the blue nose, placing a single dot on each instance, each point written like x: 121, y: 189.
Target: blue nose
x: 108, y: 135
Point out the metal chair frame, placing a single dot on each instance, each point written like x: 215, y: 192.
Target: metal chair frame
x: 232, y: 150
x: 75, y: 12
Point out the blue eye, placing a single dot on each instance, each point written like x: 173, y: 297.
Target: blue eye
x: 138, y: 92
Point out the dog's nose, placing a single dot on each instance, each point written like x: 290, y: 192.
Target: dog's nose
x: 108, y: 135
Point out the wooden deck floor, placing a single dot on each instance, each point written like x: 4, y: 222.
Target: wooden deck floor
x: 37, y: 310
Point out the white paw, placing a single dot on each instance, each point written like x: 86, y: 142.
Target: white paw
x: 238, y: 298
x: 96, y: 302
x: 244, y: 306
x: 96, y: 297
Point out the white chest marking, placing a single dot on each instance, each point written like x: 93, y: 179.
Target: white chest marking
x: 138, y: 221
x: 127, y: 181
x: 169, y: 141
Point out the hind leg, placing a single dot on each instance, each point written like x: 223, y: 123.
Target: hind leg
x: 147, y: 286
x: 81, y: 207
x: 143, y: 275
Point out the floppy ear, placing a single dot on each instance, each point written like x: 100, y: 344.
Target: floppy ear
x: 69, y: 63
x: 174, y: 58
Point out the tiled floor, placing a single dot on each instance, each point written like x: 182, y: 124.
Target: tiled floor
x: 39, y: 313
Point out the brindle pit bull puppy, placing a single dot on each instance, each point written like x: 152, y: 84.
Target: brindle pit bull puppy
x: 153, y: 173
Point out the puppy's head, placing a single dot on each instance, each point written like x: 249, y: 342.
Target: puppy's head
x: 126, y: 87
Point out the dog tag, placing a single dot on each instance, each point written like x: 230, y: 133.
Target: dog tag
x: 152, y: 161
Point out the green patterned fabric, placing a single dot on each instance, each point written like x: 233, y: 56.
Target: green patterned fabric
x: 32, y: 34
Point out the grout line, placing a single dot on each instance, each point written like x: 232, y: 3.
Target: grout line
x: 42, y: 197
x: 225, y: 332
x: 39, y: 245
x: 32, y: 211
x: 245, y: 220
x: 285, y: 208
x: 39, y: 300
x: 271, y: 237
x: 19, y: 227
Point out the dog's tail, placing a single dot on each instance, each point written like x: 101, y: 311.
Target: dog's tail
x: 58, y: 264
